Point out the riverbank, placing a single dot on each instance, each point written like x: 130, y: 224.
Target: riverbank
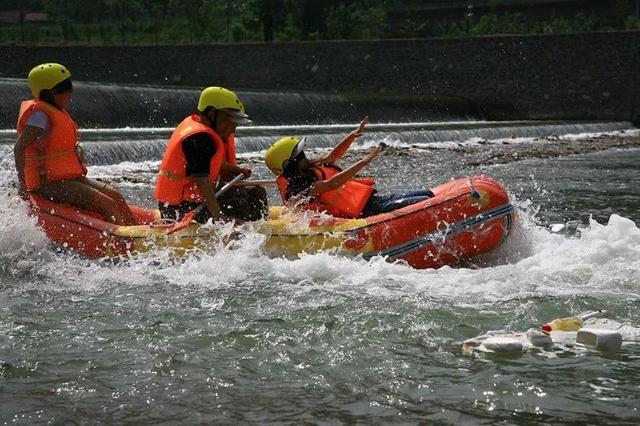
x: 483, y: 153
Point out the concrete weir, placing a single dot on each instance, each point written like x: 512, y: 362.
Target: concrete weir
x: 116, y: 105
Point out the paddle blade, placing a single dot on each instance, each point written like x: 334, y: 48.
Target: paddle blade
x: 186, y: 220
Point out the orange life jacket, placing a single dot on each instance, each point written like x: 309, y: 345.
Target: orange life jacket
x: 56, y: 157
x: 229, y: 157
x: 346, y: 201
x: 173, y: 185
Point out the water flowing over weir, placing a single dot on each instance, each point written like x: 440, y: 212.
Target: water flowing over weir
x: 256, y: 139
x: 112, y: 146
x: 108, y: 105
x: 123, y: 123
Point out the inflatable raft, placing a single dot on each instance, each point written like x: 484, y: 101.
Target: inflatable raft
x: 466, y: 217
x: 88, y: 233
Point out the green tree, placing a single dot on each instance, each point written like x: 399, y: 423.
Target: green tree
x: 86, y: 12
x: 157, y: 12
x: 364, y: 19
x: 60, y: 12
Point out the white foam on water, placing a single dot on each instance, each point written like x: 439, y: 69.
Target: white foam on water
x: 125, y: 166
x: 619, y: 133
x: 21, y: 241
x: 603, y: 262
x: 368, y: 143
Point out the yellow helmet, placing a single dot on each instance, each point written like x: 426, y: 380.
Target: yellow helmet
x: 219, y: 98
x: 282, y: 151
x: 46, y: 76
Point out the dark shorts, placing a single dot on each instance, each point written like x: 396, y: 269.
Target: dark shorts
x: 385, y: 203
x: 245, y: 203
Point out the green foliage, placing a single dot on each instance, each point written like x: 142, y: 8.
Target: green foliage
x: 292, y: 28
x: 632, y: 23
x: 517, y: 23
x: 356, y: 20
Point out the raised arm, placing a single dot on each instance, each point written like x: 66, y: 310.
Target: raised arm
x: 341, y: 149
x: 341, y: 178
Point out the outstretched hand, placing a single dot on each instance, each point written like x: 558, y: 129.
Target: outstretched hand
x: 371, y: 156
x: 360, y: 130
x: 343, y: 146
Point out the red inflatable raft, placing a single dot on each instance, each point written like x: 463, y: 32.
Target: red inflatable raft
x: 466, y: 217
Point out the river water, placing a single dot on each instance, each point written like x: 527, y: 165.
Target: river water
x: 234, y: 336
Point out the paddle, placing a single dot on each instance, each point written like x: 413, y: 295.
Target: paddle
x: 186, y: 220
x: 256, y: 182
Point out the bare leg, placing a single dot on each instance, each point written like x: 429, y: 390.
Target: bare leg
x: 79, y: 193
x: 111, y: 192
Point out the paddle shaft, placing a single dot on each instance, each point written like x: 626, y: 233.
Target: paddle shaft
x: 256, y: 183
x: 227, y: 186
x: 186, y: 220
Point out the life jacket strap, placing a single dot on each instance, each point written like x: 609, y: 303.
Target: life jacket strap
x: 172, y: 176
x: 57, y: 154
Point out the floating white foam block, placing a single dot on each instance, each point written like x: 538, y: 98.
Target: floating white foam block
x: 567, y: 338
x: 538, y: 338
x: 503, y: 344
x: 599, y: 338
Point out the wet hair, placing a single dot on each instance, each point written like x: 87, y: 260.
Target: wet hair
x: 64, y: 86
x: 47, y: 95
x: 291, y: 167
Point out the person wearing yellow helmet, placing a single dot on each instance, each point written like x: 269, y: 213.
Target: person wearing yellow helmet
x: 321, y: 185
x: 47, y: 154
x: 200, y: 152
